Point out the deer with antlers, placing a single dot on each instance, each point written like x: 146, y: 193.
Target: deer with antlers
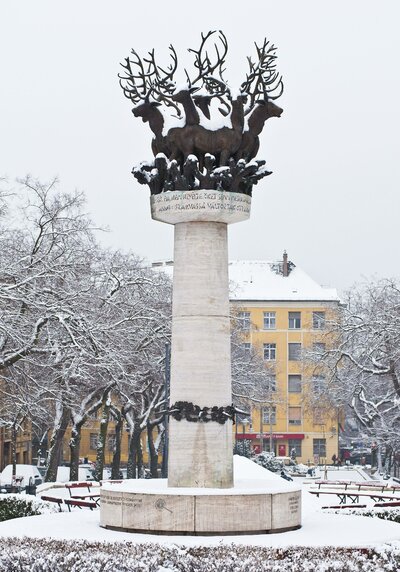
x: 154, y: 91
x: 142, y: 83
x: 250, y: 142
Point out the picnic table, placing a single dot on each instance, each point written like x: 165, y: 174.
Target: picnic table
x: 359, y: 485
x: 355, y: 496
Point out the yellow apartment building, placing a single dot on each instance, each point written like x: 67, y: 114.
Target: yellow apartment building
x: 23, y: 445
x: 282, y: 312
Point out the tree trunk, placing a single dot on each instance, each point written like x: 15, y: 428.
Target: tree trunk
x: 74, y: 447
x: 133, y: 456
x: 14, y: 433
x: 116, y: 462
x: 153, y: 457
x: 102, y: 440
x: 60, y: 426
x: 139, y: 456
x: 131, y: 465
x: 379, y: 458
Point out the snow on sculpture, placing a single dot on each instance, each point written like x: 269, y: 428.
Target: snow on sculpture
x: 205, y: 134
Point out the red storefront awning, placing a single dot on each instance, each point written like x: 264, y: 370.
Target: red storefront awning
x: 274, y: 436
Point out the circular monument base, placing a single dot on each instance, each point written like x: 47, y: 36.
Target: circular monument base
x: 252, y: 506
x: 174, y: 207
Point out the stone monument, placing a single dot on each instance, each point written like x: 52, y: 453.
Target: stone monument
x: 206, y: 137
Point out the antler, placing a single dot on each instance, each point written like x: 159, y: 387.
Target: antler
x: 202, y: 61
x: 136, y: 86
x: 165, y: 79
x: 263, y: 79
x: 150, y: 79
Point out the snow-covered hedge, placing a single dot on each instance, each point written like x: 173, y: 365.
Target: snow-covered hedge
x: 15, y: 506
x: 392, y: 514
x: 37, y: 555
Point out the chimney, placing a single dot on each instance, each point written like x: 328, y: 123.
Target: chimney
x: 285, y: 266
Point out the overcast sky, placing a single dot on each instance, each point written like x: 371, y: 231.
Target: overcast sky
x: 333, y: 199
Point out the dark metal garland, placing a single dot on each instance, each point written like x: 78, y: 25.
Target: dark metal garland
x: 194, y: 413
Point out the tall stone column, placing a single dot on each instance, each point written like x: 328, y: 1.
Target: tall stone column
x: 200, y: 453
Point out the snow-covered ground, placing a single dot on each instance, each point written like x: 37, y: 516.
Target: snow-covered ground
x: 318, y: 528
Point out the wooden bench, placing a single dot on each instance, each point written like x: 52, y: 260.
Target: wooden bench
x: 390, y: 503
x: 332, y: 483
x: 374, y: 485
x: 358, y: 485
x: 53, y: 499
x: 346, y: 506
x: 80, y: 504
x: 90, y: 496
x: 353, y: 496
x: 80, y: 485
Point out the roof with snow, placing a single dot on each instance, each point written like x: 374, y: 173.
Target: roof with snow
x: 262, y: 280
x: 253, y: 280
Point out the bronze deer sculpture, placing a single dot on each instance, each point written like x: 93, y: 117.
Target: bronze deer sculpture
x: 233, y: 146
x: 222, y: 143
x: 250, y: 143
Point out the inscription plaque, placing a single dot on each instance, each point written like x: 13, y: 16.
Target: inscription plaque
x: 200, y: 205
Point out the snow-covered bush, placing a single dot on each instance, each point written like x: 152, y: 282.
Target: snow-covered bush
x: 299, y: 469
x: 39, y: 555
x: 243, y: 448
x: 392, y: 514
x: 16, y: 506
x: 268, y: 461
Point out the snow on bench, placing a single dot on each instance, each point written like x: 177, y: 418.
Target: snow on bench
x: 358, y: 485
x: 53, y: 499
x: 80, y: 504
x: 78, y: 485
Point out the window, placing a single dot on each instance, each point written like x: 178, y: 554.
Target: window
x: 269, y: 321
x: 246, y: 347
x: 296, y: 445
x: 244, y: 320
x: 319, y: 347
x: 318, y: 320
x: 295, y: 351
x: 294, y: 415
x: 319, y: 447
x: 266, y: 411
x: 94, y: 439
x: 318, y: 417
x: 294, y: 320
x: 111, y: 442
x: 318, y: 383
x: 269, y: 352
x: 294, y: 383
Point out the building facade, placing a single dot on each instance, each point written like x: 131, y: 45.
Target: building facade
x: 23, y: 445
x: 283, y: 313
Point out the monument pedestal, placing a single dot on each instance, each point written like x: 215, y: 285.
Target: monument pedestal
x: 200, y: 454
x: 250, y: 507
x: 200, y: 496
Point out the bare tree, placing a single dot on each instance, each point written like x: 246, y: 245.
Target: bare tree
x: 363, y: 364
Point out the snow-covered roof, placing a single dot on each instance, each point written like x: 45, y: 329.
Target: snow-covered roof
x: 263, y: 280
x: 253, y: 280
